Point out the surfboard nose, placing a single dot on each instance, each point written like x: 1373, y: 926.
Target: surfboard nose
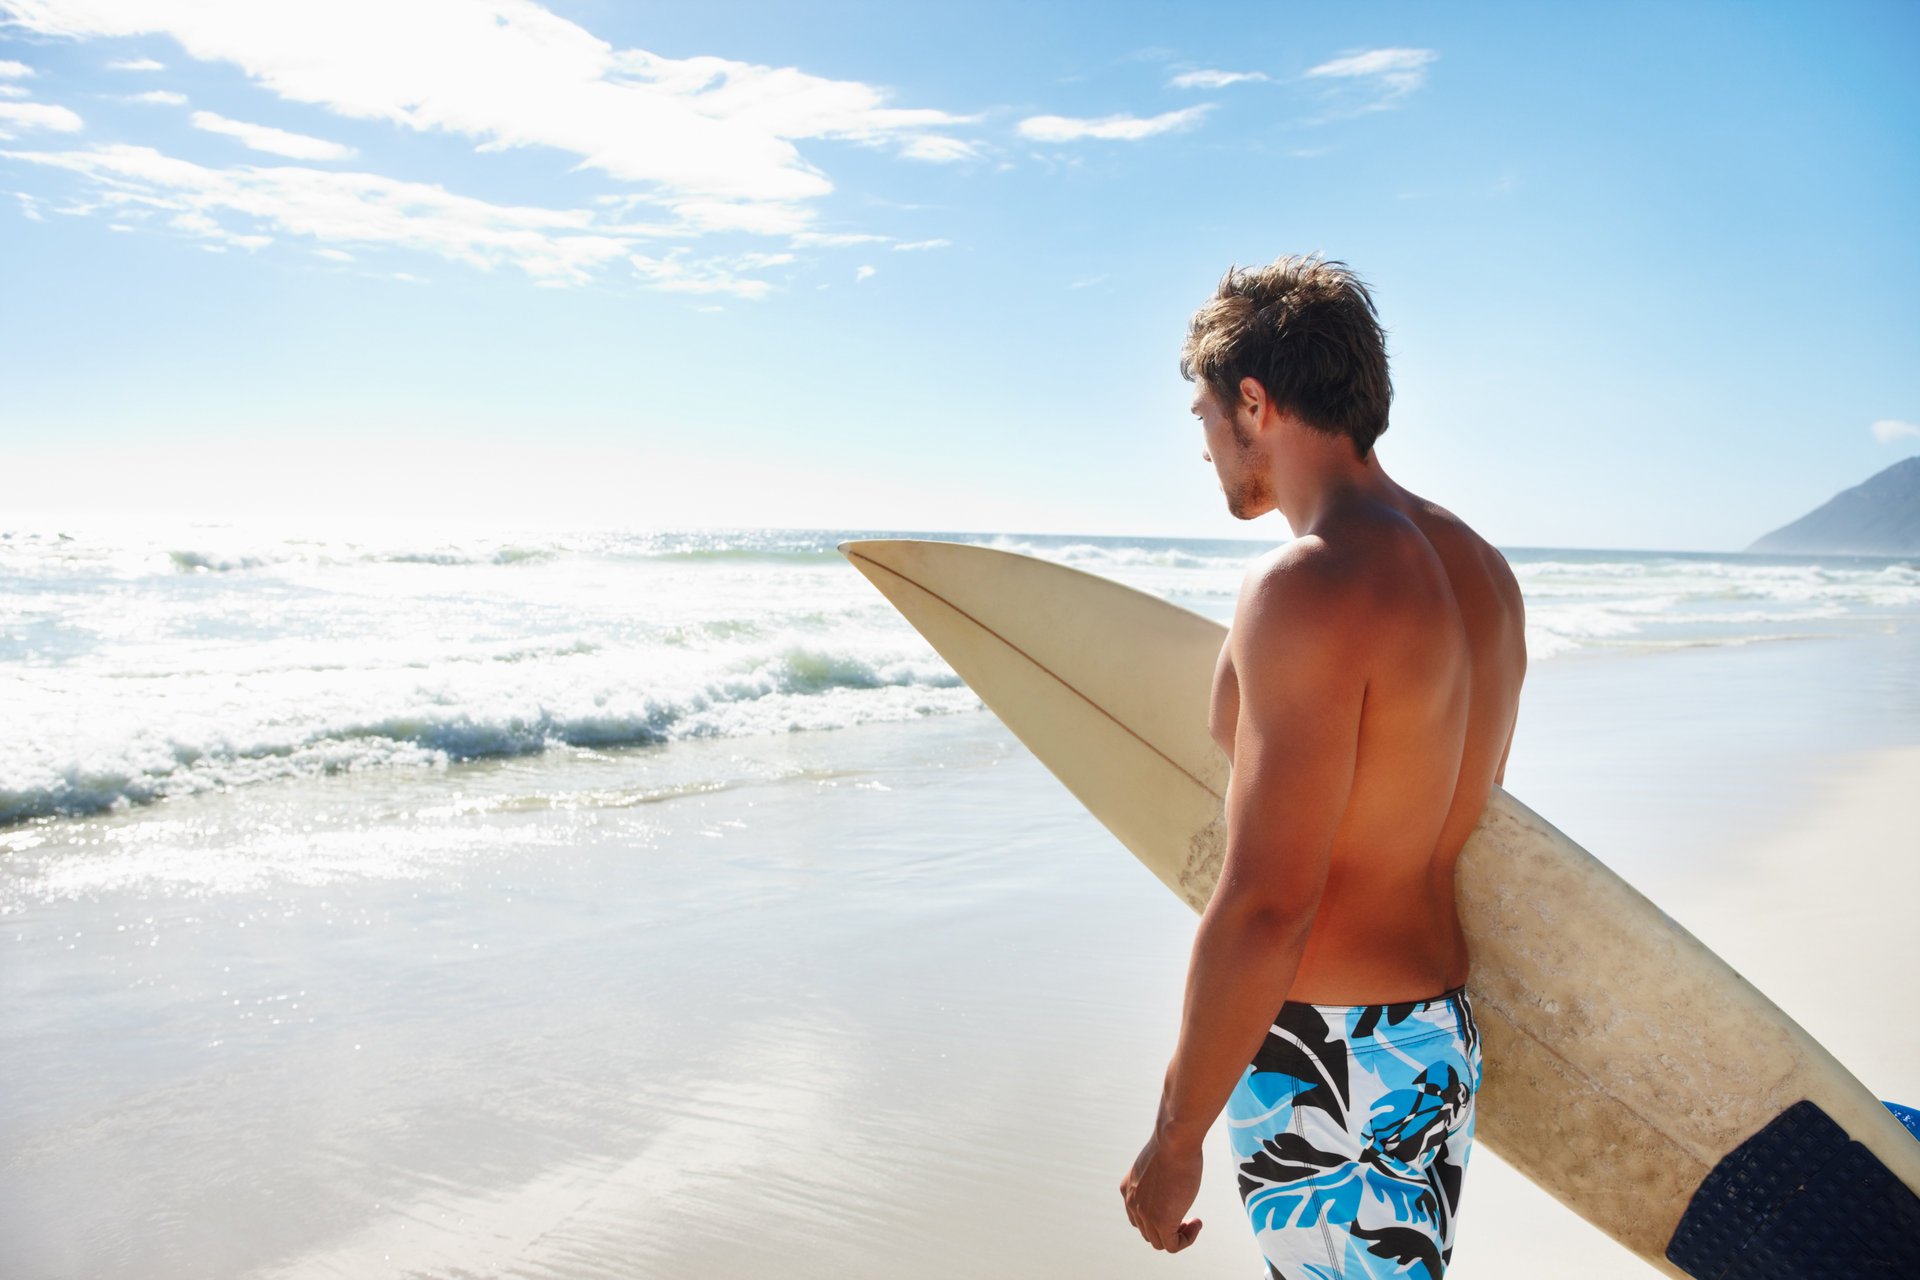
x: 894, y: 555
x: 881, y: 561
x: 872, y: 548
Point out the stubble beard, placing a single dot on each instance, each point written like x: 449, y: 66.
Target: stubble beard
x: 1252, y: 496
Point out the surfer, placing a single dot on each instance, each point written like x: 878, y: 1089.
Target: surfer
x: 1366, y: 699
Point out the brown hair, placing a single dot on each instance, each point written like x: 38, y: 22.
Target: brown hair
x: 1306, y: 330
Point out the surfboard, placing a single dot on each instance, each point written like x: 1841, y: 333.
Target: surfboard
x: 1628, y: 1070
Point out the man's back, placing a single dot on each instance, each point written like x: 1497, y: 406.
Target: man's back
x: 1433, y: 618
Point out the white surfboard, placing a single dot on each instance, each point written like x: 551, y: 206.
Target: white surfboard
x: 1628, y: 1070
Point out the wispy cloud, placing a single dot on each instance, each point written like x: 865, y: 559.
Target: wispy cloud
x: 938, y: 148
x: 199, y: 224
x: 912, y: 246
x: 835, y: 239
x: 863, y: 273
x: 165, y: 97
x: 679, y: 271
x: 14, y: 70
x: 13, y: 91
x: 1887, y: 430
x: 336, y: 209
x: 1376, y: 80
x: 1214, y: 79
x: 1111, y: 128
x: 136, y: 64
x: 260, y: 137
x: 37, y: 115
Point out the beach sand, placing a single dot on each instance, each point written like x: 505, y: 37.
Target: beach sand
x: 882, y: 1001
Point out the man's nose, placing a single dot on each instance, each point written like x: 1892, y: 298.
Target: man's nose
x: 1205, y: 456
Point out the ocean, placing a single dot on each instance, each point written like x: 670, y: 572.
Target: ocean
x: 658, y: 904
x: 137, y: 667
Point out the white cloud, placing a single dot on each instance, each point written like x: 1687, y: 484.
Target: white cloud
x: 1116, y: 128
x: 1214, y: 79
x: 14, y: 70
x: 862, y: 273
x: 1377, y: 62
x: 37, y: 115
x: 136, y: 64
x: 758, y: 217
x: 559, y: 246
x: 165, y: 97
x: 199, y: 224
x: 508, y: 73
x: 1087, y: 282
x: 29, y: 207
x: 295, y: 146
x: 938, y: 148
x: 835, y: 239
x: 333, y: 255
x: 679, y: 272
x: 1887, y: 430
x: 1382, y: 76
x: 913, y: 245
x: 12, y: 91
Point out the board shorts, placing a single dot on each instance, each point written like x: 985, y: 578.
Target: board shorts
x: 1351, y: 1131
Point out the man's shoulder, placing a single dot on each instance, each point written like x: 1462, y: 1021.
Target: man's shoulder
x: 1463, y: 550
x: 1307, y: 566
x: 1309, y: 585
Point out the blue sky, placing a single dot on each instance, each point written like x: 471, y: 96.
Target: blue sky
x: 1649, y: 271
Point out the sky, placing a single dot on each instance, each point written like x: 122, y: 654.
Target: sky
x: 1649, y: 271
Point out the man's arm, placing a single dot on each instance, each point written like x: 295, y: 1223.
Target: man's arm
x: 1298, y: 645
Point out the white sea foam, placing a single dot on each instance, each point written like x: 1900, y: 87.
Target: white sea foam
x: 138, y: 663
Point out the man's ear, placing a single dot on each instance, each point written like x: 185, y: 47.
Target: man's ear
x: 1253, y: 398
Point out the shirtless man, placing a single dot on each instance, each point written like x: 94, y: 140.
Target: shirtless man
x: 1366, y: 698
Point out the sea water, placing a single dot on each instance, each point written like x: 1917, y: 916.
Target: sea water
x: 658, y: 904
x: 141, y: 665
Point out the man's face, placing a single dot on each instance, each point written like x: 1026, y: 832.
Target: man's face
x: 1229, y: 447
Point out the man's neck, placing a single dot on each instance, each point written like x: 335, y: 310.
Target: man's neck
x: 1328, y: 479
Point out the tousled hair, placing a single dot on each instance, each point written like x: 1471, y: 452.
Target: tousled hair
x: 1306, y: 330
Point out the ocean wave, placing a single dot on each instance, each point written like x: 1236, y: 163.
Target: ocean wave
x: 214, y: 562
x: 786, y: 688
x: 1096, y: 556
x: 744, y: 555
x: 1706, y: 581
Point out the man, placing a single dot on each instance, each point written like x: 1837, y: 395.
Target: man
x: 1366, y: 699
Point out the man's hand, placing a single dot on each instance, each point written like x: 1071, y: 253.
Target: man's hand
x: 1159, y: 1190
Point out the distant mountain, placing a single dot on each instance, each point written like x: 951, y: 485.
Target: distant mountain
x: 1880, y: 517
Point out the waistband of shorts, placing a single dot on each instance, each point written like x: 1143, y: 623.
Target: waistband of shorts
x: 1453, y: 996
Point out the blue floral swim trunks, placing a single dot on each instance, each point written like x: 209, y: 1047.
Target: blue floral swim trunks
x: 1351, y: 1131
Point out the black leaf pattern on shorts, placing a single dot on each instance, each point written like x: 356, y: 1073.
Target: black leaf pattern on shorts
x: 1404, y: 1245
x: 1318, y: 1059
